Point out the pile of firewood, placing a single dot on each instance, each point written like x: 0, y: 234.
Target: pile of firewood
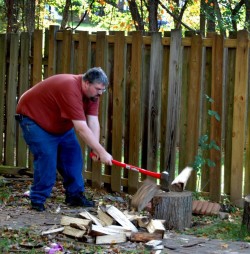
x: 111, y: 226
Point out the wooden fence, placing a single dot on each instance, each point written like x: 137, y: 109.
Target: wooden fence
x: 155, y: 109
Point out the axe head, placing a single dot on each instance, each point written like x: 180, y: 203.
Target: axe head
x: 164, y: 181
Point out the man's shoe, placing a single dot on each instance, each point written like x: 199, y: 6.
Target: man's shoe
x: 38, y: 206
x: 79, y: 200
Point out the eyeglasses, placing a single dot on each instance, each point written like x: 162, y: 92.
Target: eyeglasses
x: 100, y: 90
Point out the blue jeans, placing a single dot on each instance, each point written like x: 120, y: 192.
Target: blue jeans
x: 51, y: 153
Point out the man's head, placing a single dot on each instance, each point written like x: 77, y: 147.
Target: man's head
x: 96, y: 82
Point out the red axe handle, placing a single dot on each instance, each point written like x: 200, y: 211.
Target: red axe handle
x: 134, y: 168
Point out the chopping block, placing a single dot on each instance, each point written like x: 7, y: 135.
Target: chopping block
x: 173, y: 207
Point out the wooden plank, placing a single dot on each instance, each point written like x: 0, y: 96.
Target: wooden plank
x: 22, y: 87
x: 184, y: 108
x: 121, y: 218
x: 52, y: 50
x: 118, y: 111
x: 229, y: 93
x: 194, y: 91
x: 3, y: 53
x: 111, y: 239
x: 100, y: 60
x: 66, y: 51
x: 239, y: 116
x: 155, y: 80
x: 83, y: 52
x: 216, y: 126
x: 174, y: 92
x: 134, y: 109
x: 205, y: 118
x: 164, y: 104
x: 37, y: 56
x: 11, y: 100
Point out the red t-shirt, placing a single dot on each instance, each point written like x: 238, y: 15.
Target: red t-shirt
x: 54, y: 102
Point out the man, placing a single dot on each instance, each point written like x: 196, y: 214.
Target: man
x: 49, y: 114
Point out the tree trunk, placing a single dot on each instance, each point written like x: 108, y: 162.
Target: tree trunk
x: 12, y: 15
x: 138, y: 20
x: 29, y: 9
x: 152, y: 15
x: 175, y: 208
x: 202, y: 18
x: 247, y: 23
x: 65, y: 14
x: 246, y: 213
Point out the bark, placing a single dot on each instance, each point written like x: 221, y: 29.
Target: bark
x: 65, y: 14
x: 29, y: 12
x: 211, y: 21
x: 202, y: 18
x: 152, y: 15
x: 247, y: 23
x: 138, y: 21
x: 184, y: 7
x: 235, y: 12
x: 12, y: 15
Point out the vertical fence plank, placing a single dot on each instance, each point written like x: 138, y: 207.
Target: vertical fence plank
x: 23, y: 86
x: 239, y: 116
x: 52, y: 50
x: 194, y: 90
x: 184, y: 107
x: 155, y: 79
x: 67, y: 51
x: 164, y: 105
x: 83, y: 52
x: 216, y: 126
x: 101, y: 61
x: 228, y: 113
x: 11, y: 99
x: 174, y: 92
x: 3, y: 53
x: 205, y: 118
x: 134, y: 110
x: 37, y: 56
x: 118, y: 111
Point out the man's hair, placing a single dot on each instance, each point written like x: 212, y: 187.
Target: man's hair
x: 96, y: 75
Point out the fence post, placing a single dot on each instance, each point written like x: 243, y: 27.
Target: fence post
x: 52, y: 50
x: 135, y: 109
x: 155, y: 79
x: 3, y: 53
x: 11, y: 99
x: 118, y: 111
x: 239, y: 116
x: 174, y: 100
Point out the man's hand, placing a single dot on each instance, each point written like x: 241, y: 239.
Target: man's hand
x: 104, y: 157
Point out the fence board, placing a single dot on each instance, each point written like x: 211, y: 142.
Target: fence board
x: 229, y: 118
x: 239, y: 115
x: 67, y: 52
x: 164, y: 103
x: 216, y: 128
x: 52, y: 50
x: 101, y: 61
x: 155, y: 80
x: 118, y: 111
x: 83, y: 52
x: 184, y: 108
x: 194, y: 91
x: 174, y: 92
x: 3, y: 52
x: 37, y: 56
x: 205, y: 118
x: 10, y: 99
x: 134, y: 109
x: 23, y: 86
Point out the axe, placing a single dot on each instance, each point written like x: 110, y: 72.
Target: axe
x: 163, y: 176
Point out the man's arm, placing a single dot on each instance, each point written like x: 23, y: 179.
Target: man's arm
x: 89, y: 137
x: 93, y: 124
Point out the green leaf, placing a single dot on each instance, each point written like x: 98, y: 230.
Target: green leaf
x: 210, y: 163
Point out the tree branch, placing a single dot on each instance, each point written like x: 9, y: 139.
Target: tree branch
x: 178, y: 19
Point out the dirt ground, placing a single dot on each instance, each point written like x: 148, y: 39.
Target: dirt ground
x: 15, y: 214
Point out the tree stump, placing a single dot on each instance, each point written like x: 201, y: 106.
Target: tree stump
x: 246, y: 213
x: 173, y: 207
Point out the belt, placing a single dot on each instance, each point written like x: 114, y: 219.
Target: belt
x: 19, y: 117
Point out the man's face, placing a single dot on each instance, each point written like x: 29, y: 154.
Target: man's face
x: 95, y: 90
